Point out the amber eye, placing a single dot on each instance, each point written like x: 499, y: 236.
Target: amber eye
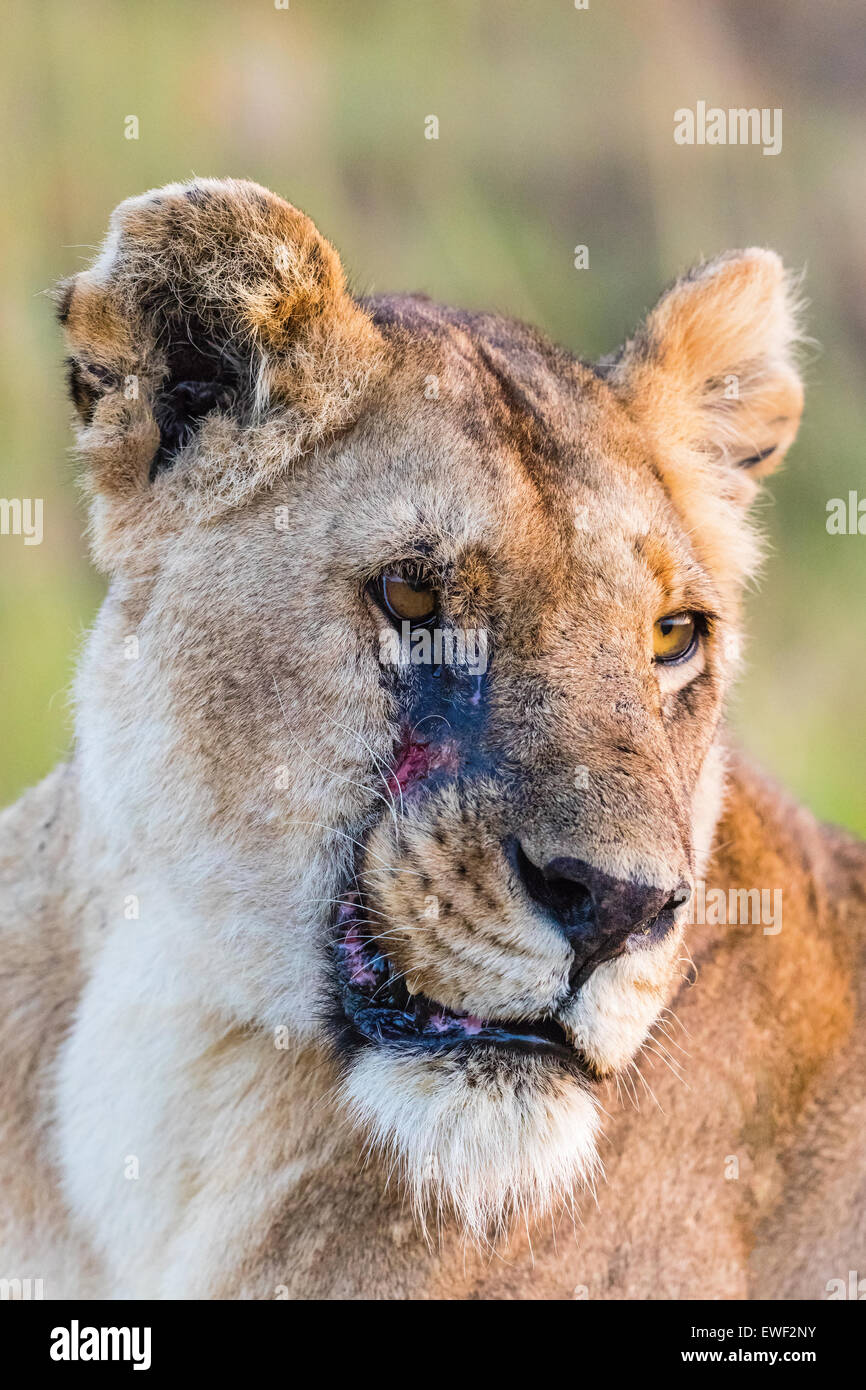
x: 675, y: 638
x: 408, y: 600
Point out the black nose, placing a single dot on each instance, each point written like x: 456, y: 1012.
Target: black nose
x: 597, y: 913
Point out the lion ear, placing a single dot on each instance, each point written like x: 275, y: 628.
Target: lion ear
x: 712, y: 369
x: 213, y: 298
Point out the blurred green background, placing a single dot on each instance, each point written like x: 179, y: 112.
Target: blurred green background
x: 555, y: 129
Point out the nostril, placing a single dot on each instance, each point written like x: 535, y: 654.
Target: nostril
x: 566, y: 899
x: 596, y: 912
x: 680, y: 895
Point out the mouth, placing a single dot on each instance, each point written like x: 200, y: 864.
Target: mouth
x: 378, y: 1008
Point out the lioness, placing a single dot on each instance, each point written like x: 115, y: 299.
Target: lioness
x: 338, y: 957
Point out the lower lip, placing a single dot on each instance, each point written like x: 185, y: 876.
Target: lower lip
x: 400, y: 1031
x: 454, y: 1040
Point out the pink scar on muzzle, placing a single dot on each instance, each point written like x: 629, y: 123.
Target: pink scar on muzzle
x: 448, y: 1023
x: 416, y: 760
x: 359, y: 971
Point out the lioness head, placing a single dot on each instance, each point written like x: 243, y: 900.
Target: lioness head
x: 405, y: 699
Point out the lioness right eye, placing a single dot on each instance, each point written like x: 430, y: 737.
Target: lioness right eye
x: 407, y: 600
x: 675, y: 638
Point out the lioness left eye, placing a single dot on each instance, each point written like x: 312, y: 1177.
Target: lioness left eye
x: 675, y: 638
x: 407, y: 598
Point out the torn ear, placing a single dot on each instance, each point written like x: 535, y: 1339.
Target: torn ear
x: 712, y: 370
x: 211, y: 298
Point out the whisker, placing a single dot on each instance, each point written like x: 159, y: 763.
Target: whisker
x: 334, y: 776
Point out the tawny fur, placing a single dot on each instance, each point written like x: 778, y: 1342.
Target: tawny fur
x: 175, y: 1120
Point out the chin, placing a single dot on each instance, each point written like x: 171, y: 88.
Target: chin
x: 488, y: 1122
x: 479, y: 1134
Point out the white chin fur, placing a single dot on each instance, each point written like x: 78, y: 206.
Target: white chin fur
x: 467, y: 1141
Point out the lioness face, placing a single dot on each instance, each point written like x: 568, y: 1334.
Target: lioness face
x: 432, y: 627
